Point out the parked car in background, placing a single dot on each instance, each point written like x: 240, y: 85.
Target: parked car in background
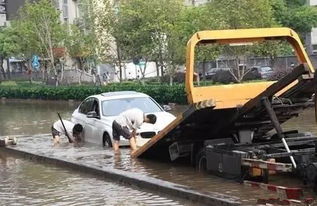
x: 221, y: 75
x: 97, y: 112
x: 262, y: 72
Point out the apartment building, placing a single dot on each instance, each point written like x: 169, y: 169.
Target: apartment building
x: 9, y: 10
x: 69, y: 10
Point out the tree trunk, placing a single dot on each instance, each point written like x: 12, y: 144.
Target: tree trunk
x: 8, y: 68
x: 55, y: 74
x: 62, y: 72
x: 45, y: 73
x: 157, y: 71
x: 171, y: 79
x: 80, y: 70
x: 98, y: 80
x: 204, y: 70
x: 119, y: 62
x: 144, y: 69
x: 8, y: 71
x: 161, y: 60
x: 30, y: 71
x: 2, y: 68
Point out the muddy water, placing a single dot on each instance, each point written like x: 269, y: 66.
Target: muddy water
x: 33, y: 117
x: 26, y: 183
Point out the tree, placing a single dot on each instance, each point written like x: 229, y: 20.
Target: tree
x: 9, y: 45
x: 108, y: 22
x: 295, y: 14
x: 194, y: 19
x: 238, y: 14
x: 80, y: 46
x: 146, y: 27
x: 40, y: 30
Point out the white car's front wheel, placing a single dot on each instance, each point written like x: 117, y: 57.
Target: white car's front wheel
x: 106, y: 140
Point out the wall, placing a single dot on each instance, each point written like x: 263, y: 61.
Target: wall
x: 313, y: 2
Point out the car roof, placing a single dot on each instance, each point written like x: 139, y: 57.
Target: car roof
x: 119, y: 95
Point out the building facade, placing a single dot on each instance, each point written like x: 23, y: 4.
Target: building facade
x: 9, y: 10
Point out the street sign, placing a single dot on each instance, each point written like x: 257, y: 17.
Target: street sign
x: 35, y: 62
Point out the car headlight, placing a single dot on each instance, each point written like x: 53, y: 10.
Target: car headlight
x: 147, y: 135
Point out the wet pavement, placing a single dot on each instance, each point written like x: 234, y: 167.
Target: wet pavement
x: 24, y: 182
x: 104, y: 159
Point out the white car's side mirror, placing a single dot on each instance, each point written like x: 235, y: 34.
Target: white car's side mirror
x: 92, y: 114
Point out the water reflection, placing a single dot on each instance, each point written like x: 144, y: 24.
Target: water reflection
x: 26, y: 183
x: 27, y: 117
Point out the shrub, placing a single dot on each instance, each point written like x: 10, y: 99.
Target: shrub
x: 161, y: 93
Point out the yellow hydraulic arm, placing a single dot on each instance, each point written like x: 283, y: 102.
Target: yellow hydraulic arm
x: 233, y: 95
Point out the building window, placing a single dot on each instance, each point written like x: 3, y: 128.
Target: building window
x: 65, y: 10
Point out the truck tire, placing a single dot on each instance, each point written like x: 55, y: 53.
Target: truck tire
x: 106, y: 140
x: 201, y: 161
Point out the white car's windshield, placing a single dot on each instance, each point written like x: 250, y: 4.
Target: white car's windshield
x: 115, y: 106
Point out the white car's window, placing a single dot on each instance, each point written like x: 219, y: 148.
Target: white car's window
x: 86, y: 106
x: 116, y: 106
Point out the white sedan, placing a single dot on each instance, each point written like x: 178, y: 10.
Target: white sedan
x: 96, y: 113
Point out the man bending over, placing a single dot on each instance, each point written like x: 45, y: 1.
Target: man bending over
x: 74, y: 131
x: 126, y: 125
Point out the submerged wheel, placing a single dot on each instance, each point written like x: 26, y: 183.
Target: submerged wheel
x: 201, y: 161
x: 106, y: 140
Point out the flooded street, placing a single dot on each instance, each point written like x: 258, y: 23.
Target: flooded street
x: 28, y: 183
x: 24, y: 182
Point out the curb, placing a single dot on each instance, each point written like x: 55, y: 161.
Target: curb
x: 133, y: 179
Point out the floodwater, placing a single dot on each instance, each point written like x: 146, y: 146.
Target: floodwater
x: 29, y: 183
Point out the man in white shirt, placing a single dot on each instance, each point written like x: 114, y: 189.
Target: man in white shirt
x: 74, y: 131
x: 126, y: 125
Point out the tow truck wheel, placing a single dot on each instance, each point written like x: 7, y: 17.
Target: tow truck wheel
x: 201, y: 161
x: 106, y: 140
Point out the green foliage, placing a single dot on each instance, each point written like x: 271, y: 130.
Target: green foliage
x: 295, y: 14
x: 161, y: 93
x: 9, y: 43
x: 236, y: 14
x: 89, y: 37
x: 39, y: 30
x: 79, y: 44
x: 150, y: 30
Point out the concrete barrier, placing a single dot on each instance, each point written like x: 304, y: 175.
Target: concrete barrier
x: 132, y: 179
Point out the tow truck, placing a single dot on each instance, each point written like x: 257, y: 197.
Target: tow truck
x: 226, y: 128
